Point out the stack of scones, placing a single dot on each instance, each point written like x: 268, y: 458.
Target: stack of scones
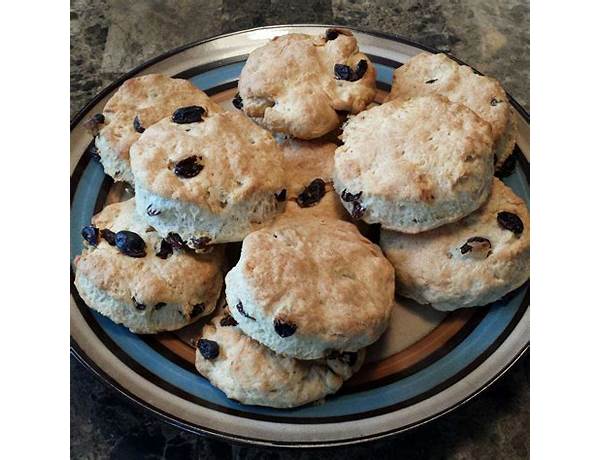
x: 288, y: 321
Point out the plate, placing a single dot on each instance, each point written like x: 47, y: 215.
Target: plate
x: 425, y: 365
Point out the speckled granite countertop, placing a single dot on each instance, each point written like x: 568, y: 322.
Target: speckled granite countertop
x: 110, y: 37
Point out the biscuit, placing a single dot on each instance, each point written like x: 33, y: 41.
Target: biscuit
x: 308, y: 167
x: 427, y: 73
x: 210, y: 181
x: 414, y: 165
x: 146, y: 99
x: 303, y: 85
x: 469, y: 263
x: 250, y: 373
x: 308, y: 286
x: 159, y: 291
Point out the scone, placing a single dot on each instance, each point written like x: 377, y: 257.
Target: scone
x: 428, y: 73
x: 308, y: 287
x: 208, y: 180
x: 469, y: 263
x: 134, y: 277
x: 139, y: 103
x: 414, y: 165
x: 303, y: 85
x: 250, y: 373
x: 308, y: 167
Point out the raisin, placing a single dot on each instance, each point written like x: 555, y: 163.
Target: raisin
x: 357, y: 210
x: 191, y: 114
x: 284, y: 329
x: 477, y: 246
x: 433, y: 80
x: 237, y: 101
x: 331, y: 34
x: 198, y: 309
x: 508, y: 167
x: 240, y: 308
x: 175, y: 241
x: 188, y: 167
x: 131, y: 244
x: 93, y: 152
x: 494, y: 102
x: 280, y: 196
x: 209, y: 349
x: 137, y: 125
x: 138, y: 305
x: 159, y: 305
x: 311, y: 194
x: 361, y: 69
x: 98, y: 118
x: 342, y: 72
x: 228, y: 320
x: 349, y: 197
x: 165, y: 249
x: 200, y: 243
x: 510, y: 221
x: 151, y: 211
x: 108, y: 235
x: 90, y: 234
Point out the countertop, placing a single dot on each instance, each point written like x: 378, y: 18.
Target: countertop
x: 110, y: 37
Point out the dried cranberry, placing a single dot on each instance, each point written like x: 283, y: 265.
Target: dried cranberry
x: 283, y: 328
x: 281, y: 196
x: 228, y: 320
x: 237, y: 101
x: 90, y: 234
x: 200, y: 243
x: 159, y: 305
x: 342, y: 72
x: 151, y: 211
x: 165, y: 249
x: 240, y: 308
x: 433, y: 80
x: 508, y: 167
x: 92, y: 123
x: 311, y: 194
x: 331, y: 34
x: 349, y: 197
x: 198, y: 309
x: 108, y: 235
x: 209, y: 349
x: 191, y: 114
x: 175, y: 241
x: 510, y: 221
x: 477, y: 246
x: 137, y: 125
x: 138, y: 305
x: 130, y: 243
x: 188, y: 167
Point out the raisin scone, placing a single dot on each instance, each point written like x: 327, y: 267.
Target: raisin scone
x: 139, y: 103
x: 428, y: 73
x: 303, y: 85
x: 414, y: 165
x: 250, y: 373
x: 469, y: 263
x: 134, y: 277
x: 210, y: 178
x: 308, y: 167
x: 308, y: 287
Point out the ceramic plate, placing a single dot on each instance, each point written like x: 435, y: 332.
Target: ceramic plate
x: 426, y: 364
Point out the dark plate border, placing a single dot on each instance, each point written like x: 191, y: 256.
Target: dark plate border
x: 86, y: 361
